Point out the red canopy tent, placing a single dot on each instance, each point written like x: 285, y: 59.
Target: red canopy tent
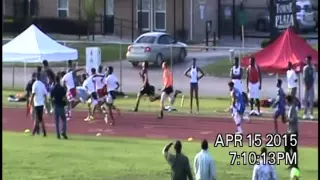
x: 287, y: 47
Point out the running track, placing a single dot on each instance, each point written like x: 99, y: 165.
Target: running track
x: 146, y: 125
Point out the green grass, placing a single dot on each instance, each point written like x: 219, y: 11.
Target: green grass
x: 93, y: 158
x: 220, y: 68
x: 109, y: 52
x: 209, y: 106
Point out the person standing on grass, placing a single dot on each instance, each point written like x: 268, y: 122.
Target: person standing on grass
x: 179, y: 163
x: 308, y: 81
x: 204, y: 167
x: 59, y: 99
x: 254, y: 83
x: 280, y: 106
x: 45, y: 81
x: 192, y: 73
x: 38, y: 100
x: 262, y: 170
x: 292, y: 134
x: 292, y: 80
x: 30, y: 110
x: 236, y: 74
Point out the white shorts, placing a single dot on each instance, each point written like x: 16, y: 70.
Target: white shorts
x: 254, y: 91
x: 237, y: 84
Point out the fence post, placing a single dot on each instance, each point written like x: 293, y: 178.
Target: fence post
x: 171, y: 57
x: 120, y: 58
x: 13, y: 69
x: 214, y: 40
x: 120, y: 30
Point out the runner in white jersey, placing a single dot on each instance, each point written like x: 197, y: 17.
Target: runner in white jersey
x: 236, y: 74
x: 193, y: 73
x: 112, y: 86
x: 97, y: 80
x: 73, y: 100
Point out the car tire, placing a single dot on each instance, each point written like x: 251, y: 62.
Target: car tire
x: 182, y: 55
x: 261, y: 26
x: 135, y: 64
x: 159, y: 60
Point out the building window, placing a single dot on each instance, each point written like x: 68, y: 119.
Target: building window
x: 160, y: 15
x: 63, y: 8
x: 143, y: 14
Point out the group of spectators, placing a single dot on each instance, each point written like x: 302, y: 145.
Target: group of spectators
x: 43, y: 82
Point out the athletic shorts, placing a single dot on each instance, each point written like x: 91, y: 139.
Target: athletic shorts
x: 102, y: 92
x: 111, y: 97
x: 168, y: 90
x: 72, y: 94
x: 279, y: 112
x: 148, y: 90
x: 254, y: 91
x: 83, y: 95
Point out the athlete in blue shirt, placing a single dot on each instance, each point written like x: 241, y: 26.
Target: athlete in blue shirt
x: 238, y: 106
x: 279, y: 105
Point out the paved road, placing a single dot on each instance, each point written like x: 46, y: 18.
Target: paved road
x: 130, y: 81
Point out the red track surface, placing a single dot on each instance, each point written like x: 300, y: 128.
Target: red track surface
x: 146, y: 125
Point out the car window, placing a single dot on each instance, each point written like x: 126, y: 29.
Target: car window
x: 170, y: 39
x: 163, y: 40
x: 146, y: 39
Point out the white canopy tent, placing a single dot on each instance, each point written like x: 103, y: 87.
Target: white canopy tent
x: 33, y: 46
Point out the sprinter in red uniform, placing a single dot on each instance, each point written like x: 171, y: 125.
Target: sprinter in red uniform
x: 254, y: 83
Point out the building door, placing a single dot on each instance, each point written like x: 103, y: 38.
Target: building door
x: 109, y: 17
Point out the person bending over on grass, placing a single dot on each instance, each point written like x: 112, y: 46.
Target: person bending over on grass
x: 280, y: 106
x: 179, y: 163
x: 146, y: 88
x: 167, y: 90
x: 192, y: 73
x: 112, y: 86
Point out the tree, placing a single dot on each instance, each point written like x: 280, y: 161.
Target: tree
x: 90, y: 12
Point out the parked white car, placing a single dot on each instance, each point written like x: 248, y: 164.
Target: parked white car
x: 155, y: 47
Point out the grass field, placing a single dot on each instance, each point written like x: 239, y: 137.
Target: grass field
x: 109, y: 52
x: 209, y: 106
x: 94, y: 158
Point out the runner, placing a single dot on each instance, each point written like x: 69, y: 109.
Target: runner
x: 112, y: 86
x: 73, y: 100
x: 51, y: 81
x: 237, y: 105
x: 280, y: 106
x: 98, y: 80
x: 89, y: 86
x: 146, y: 88
x: 167, y: 90
x: 254, y: 82
x: 194, y: 79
